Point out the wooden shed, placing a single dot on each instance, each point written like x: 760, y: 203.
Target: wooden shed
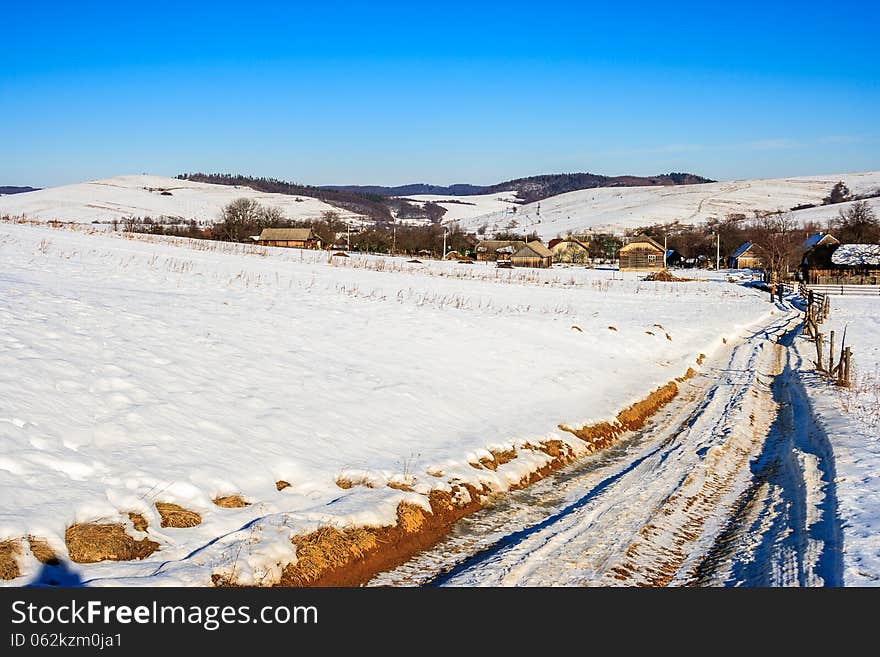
x: 533, y: 254
x: 492, y: 250
x: 298, y: 238
x: 745, y: 257
x: 641, y: 254
x: 571, y: 250
x: 842, y: 264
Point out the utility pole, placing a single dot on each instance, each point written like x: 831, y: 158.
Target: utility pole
x: 717, y: 251
x: 394, y: 240
x: 348, y: 237
x: 445, y: 231
x: 664, y: 250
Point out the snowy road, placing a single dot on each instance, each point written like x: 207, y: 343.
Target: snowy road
x: 730, y: 485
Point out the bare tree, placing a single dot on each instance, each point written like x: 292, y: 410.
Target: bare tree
x: 776, y: 241
x: 237, y: 217
x: 857, y: 225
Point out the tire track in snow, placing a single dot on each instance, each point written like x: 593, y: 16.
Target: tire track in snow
x: 689, y: 467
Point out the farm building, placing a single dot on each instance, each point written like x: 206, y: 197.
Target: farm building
x: 674, y: 258
x: 533, y: 254
x: 298, y: 238
x: 838, y: 264
x: 492, y: 250
x: 819, y: 239
x: 641, y: 254
x: 570, y: 250
x: 745, y: 257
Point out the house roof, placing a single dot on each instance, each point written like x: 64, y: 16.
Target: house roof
x: 742, y: 249
x: 856, y: 255
x: 819, y: 238
x: 537, y: 248
x: 286, y: 234
x: 489, y: 246
x: 643, y: 239
x: 566, y: 243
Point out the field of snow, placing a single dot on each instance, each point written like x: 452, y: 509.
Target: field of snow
x: 615, y: 209
x: 467, y: 207
x: 137, y: 370
x: 141, y: 196
x: 851, y: 418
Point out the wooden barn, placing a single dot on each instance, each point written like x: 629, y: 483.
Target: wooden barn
x: 297, y: 238
x: 533, y: 254
x: 745, y: 257
x: 492, y: 250
x: 570, y: 250
x: 842, y: 264
x: 641, y: 254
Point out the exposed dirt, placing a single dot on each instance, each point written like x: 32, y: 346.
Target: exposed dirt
x: 281, y: 484
x: 91, y: 542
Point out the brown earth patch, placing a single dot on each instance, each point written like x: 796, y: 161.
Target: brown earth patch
x: 9, y: 551
x: 503, y: 456
x: 700, y: 359
x: 176, y: 516
x: 281, y: 484
x: 231, y: 502
x: 91, y: 542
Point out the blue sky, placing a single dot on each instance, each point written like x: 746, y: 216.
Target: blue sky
x: 397, y: 92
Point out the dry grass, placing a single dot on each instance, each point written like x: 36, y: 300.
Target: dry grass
x: 503, y: 456
x: 410, y: 518
x: 664, y: 276
x: 176, y: 516
x: 397, y: 485
x: 327, y: 548
x: 9, y: 551
x: 41, y: 550
x: 231, y: 502
x: 281, y: 484
x: 91, y: 542
x: 140, y: 523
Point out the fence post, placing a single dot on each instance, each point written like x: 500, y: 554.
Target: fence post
x: 847, y: 368
x: 831, y: 354
x: 819, y: 340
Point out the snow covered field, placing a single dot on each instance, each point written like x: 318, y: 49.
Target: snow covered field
x: 851, y: 418
x: 617, y: 208
x: 135, y: 371
x: 142, y: 196
x: 467, y: 207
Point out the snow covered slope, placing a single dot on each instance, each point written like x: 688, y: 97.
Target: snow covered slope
x: 467, y: 207
x: 144, y: 370
x: 153, y: 196
x: 618, y: 208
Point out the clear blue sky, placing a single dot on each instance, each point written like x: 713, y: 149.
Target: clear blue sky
x: 397, y: 92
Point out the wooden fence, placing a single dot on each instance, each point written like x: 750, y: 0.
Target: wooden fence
x: 848, y: 290
x: 816, y: 311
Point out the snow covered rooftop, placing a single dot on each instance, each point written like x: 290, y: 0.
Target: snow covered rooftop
x: 745, y: 247
x: 856, y: 254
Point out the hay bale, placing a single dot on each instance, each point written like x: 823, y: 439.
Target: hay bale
x: 231, y: 502
x: 9, y: 551
x: 281, y: 484
x: 176, y: 516
x: 91, y: 542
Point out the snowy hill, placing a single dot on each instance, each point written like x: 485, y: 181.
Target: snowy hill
x: 153, y: 196
x: 619, y: 208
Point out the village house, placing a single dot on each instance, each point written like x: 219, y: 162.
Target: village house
x: 298, y: 238
x: 533, y: 254
x: 745, y: 257
x: 641, y: 254
x: 570, y: 250
x: 492, y: 250
x: 841, y: 264
x: 674, y: 258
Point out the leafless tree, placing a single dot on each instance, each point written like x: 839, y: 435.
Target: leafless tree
x: 776, y: 239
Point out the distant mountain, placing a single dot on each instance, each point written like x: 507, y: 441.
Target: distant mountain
x: 8, y: 189
x: 533, y: 188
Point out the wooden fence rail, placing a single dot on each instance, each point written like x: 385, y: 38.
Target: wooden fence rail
x: 815, y: 312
